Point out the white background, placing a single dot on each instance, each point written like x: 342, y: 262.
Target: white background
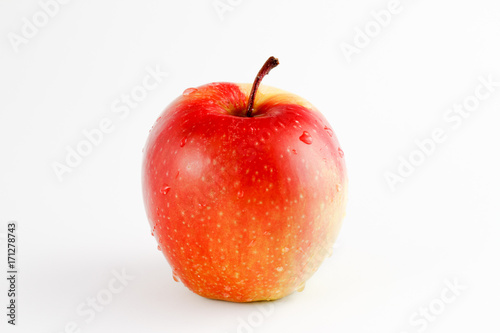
x: 398, y: 247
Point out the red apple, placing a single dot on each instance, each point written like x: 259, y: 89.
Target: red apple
x: 244, y: 188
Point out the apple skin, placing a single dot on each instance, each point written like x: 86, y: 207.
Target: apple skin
x: 243, y: 208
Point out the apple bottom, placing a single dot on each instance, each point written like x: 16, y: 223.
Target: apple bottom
x: 243, y: 276
x: 261, y: 243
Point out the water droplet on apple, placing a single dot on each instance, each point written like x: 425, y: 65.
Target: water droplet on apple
x: 165, y: 189
x: 183, y: 141
x: 189, y: 91
x: 252, y: 242
x: 159, y: 248
x: 329, y: 131
x: 241, y: 194
x: 175, y: 277
x: 265, y: 135
x: 341, y: 152
x: 301, y: 287
x: 306, y: 138
x: 338, y: 187
x: 267, y: 233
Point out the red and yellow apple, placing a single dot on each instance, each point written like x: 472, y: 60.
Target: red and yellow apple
x: 245, y: 189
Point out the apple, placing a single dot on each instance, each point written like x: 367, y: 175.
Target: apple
x: 245, y: 189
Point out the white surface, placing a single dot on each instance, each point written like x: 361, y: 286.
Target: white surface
x: 397, y: 248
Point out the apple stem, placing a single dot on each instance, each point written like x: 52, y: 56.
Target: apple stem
x: 266, y: 68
